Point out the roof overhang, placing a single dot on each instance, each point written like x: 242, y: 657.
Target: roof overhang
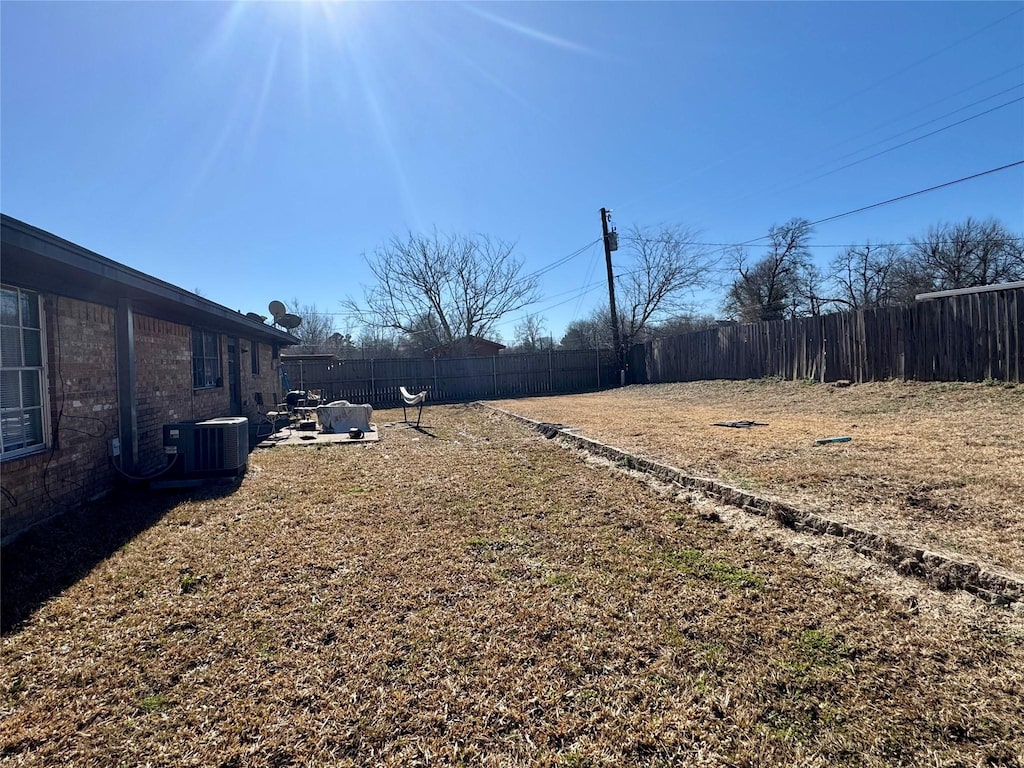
x: 40, y: 261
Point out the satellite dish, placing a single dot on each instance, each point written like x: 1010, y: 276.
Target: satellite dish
x: 277, y: 309
x: 290, y: 322
x: 256, y: 317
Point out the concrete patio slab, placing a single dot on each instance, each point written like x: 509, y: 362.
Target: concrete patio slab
x: 293, y: 436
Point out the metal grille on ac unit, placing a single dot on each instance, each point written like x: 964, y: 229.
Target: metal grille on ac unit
x: 213, y: 447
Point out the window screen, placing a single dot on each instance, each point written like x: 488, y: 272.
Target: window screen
x: 205, y: 359
x: 21, y: 372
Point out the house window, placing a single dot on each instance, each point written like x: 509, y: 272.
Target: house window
x: 205, y: 360
x: 254, y: 355
x: 22, y: 375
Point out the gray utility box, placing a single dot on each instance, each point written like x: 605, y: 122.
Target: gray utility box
x: 215, y: 447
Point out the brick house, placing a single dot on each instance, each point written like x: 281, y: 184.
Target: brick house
x: 93, y: 350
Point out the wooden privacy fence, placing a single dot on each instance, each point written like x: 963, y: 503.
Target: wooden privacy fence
x: 456, y: 379
x: 969, y: 337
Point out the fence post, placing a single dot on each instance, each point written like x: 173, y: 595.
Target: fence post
x: 597, y: 352
x: 373, y: 384
x: 434, y: 392
x: 494, y: 373
x: 550, y: 375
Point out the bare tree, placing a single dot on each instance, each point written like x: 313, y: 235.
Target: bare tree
x: 867, y: 276
x: 778, y: 285
x: 423, y: 333
x: 762, y: 291
x: 909, y: 279
x: 339, y: 344
x: 809, y: 297
x: 677, y: 325
x: 379, y: 343
x: 590, y: 333
x: 667, y: 268
x: 317, y: 325
x: 530, y: 334
x: 443, y: 288
x: 969, y: 253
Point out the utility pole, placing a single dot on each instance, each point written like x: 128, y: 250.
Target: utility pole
x: 611, y: 243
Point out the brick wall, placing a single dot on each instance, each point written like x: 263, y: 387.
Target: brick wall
x: 82, y: 393
x: 163, y: 365
x: 163, y: 385
x: 83, y: 404
x: 163, y: 370
x: 267, y: 382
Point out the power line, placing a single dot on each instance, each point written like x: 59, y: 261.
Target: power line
x: 895, y: 135
x: 886, y: 123
x: 721, y: 247
x: 925, y: 123
x: 796, y: 178
x: 878, y: 244
x: 887, y: 202
x: 918, y: 192
x: 578, y: 293
x: 850, y: 97
x: 919, y: 138
x: 536, y: 273
x: 559, y: 262
x: 586, y: 281
x: 929, y: 57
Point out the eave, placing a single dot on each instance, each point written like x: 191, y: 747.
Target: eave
x: 38, y: 260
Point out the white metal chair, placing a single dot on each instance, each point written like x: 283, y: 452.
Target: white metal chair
x: 409, y: 400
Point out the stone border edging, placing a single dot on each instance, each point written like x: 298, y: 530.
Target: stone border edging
x: 940, y: 571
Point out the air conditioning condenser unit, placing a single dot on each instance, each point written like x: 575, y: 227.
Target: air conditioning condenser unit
x: 215, y: 447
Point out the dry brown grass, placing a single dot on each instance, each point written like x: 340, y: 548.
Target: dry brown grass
x: 483, y: 597
x: 938, y: 465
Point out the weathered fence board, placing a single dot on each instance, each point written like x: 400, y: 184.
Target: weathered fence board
x: 968, y: 337
x: 456, y: 379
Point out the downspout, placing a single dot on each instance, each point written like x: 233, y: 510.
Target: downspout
x: 126, y: 402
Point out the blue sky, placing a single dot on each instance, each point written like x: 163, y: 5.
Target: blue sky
x: 256, y: 151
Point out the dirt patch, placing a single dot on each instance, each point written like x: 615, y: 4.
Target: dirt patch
x: 472, y: 593
x: 940, y: 466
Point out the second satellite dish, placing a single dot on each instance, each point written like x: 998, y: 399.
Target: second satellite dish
x: 277, y: 309
x: 288, y: 321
